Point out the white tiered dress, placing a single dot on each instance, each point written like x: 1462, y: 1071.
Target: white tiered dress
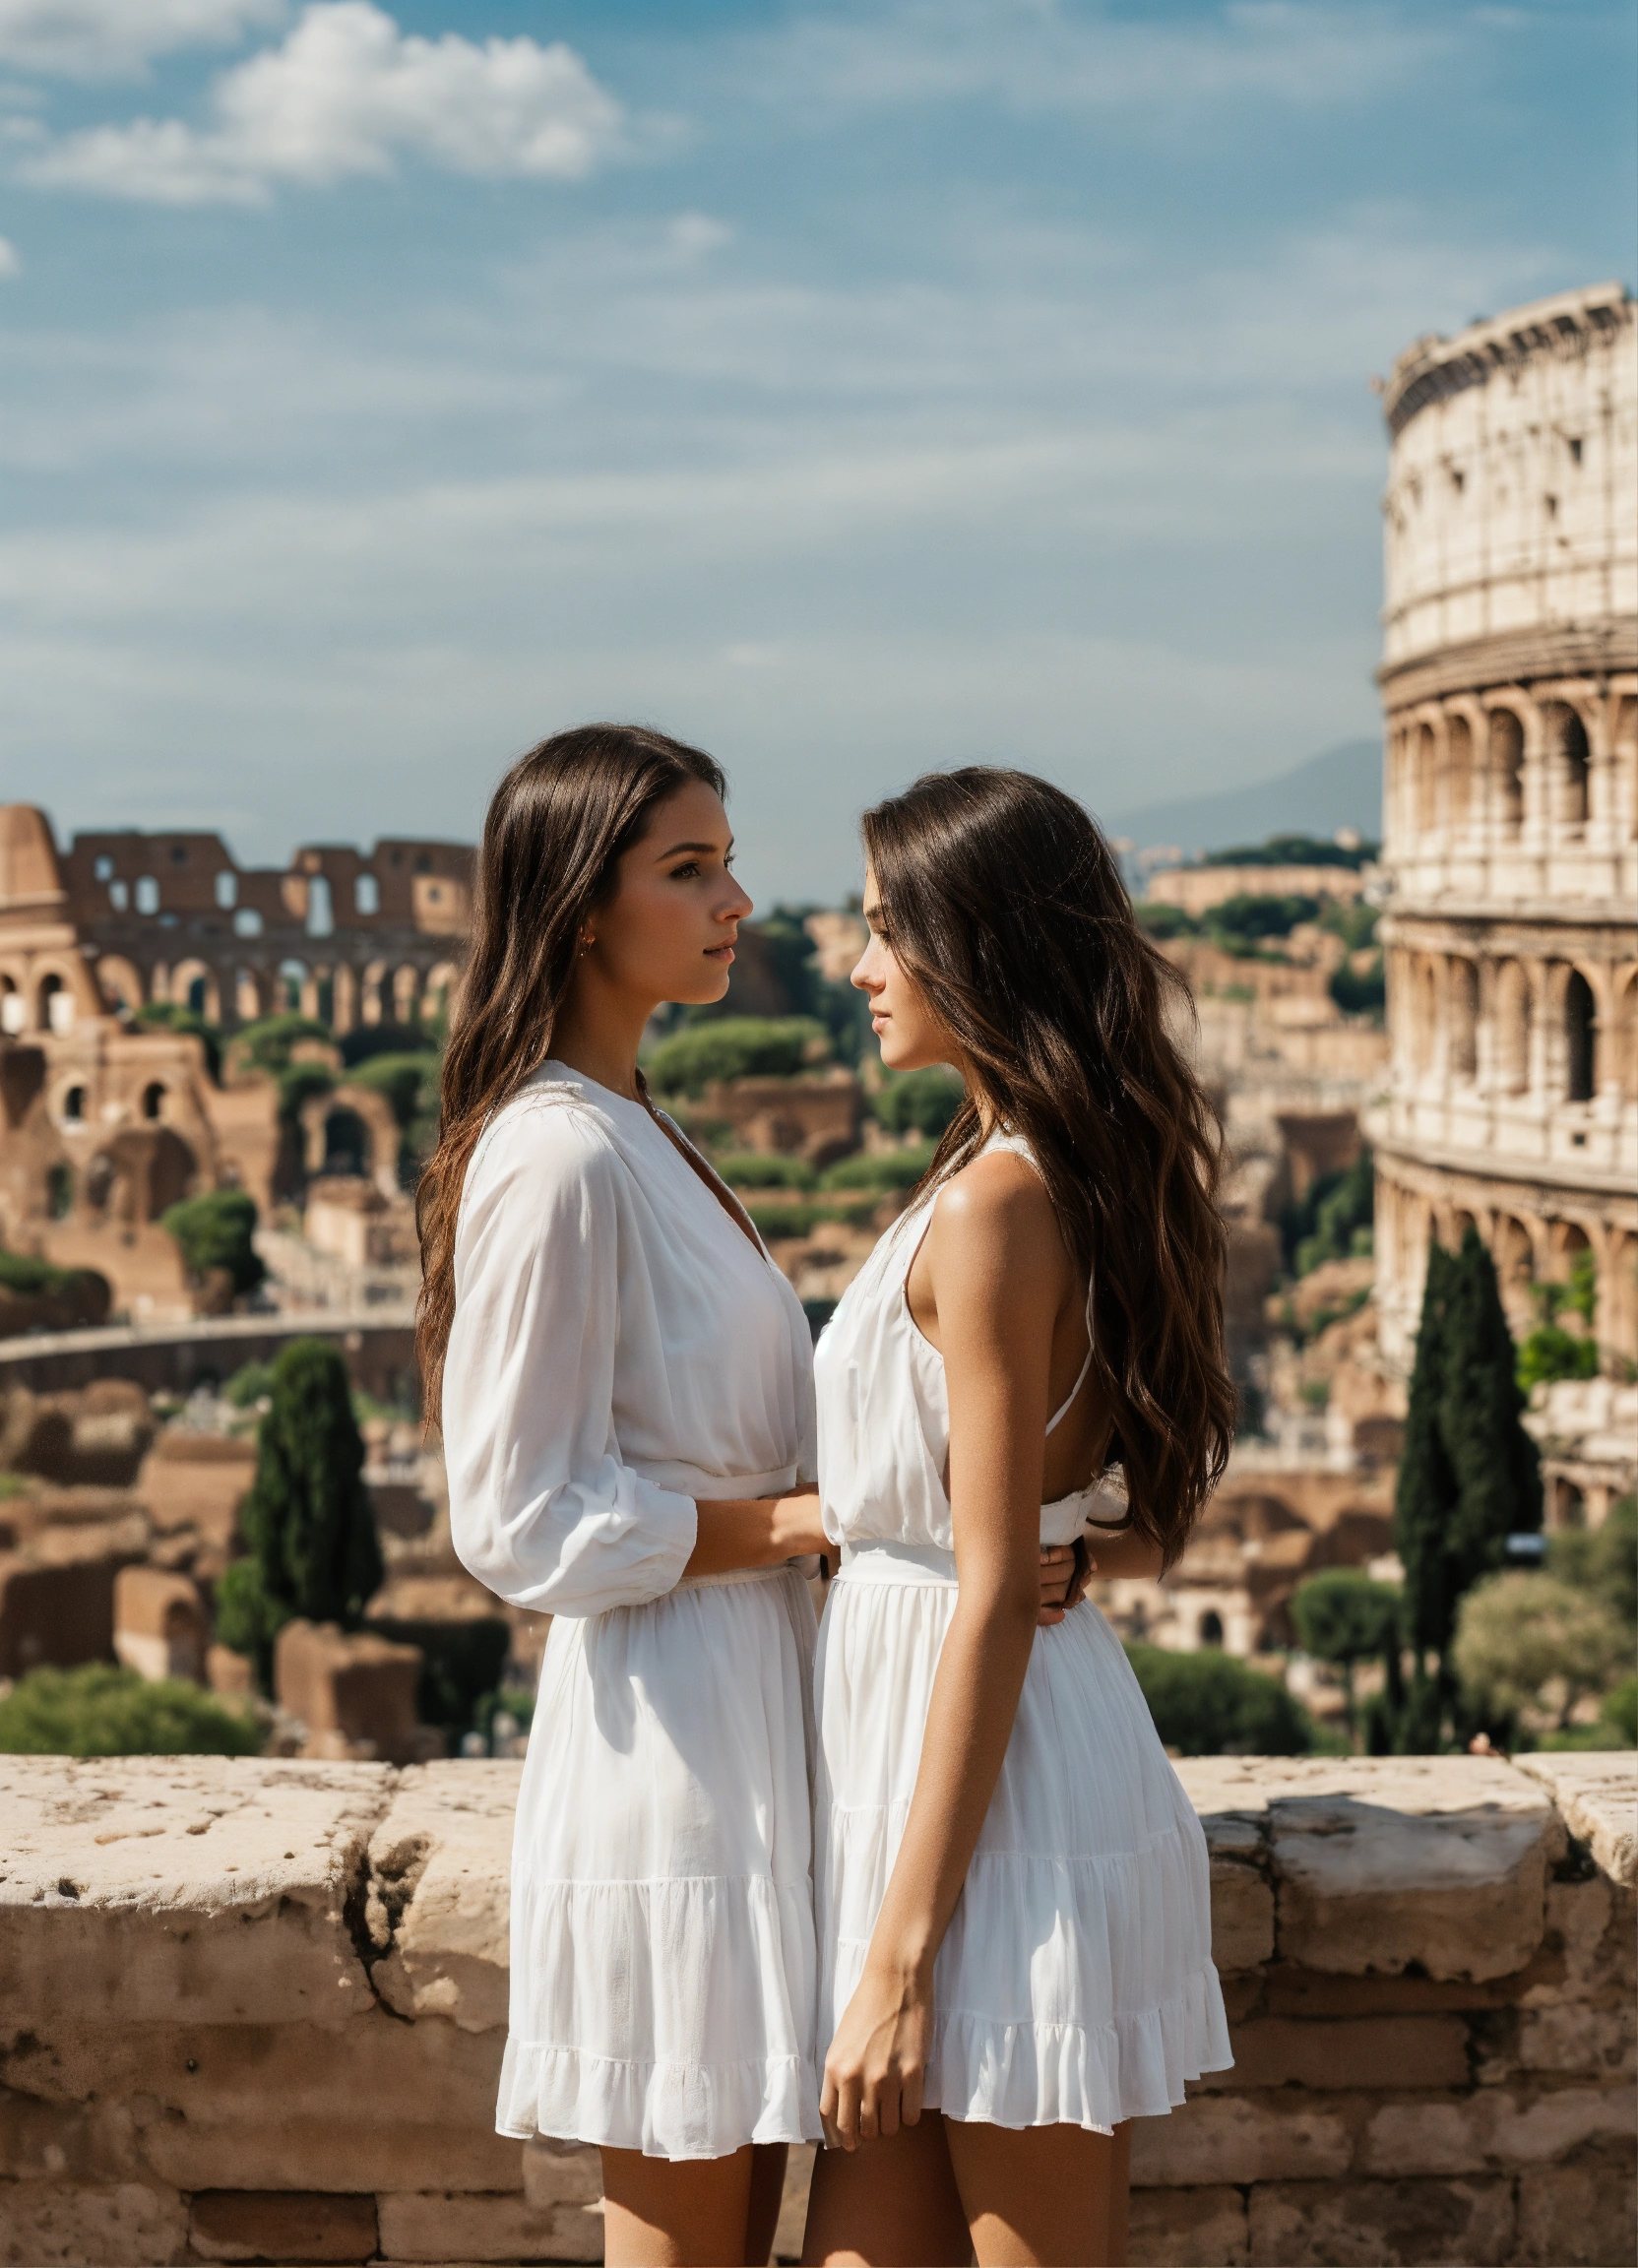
x: 621, y: 1351
x: 1075, y: 1984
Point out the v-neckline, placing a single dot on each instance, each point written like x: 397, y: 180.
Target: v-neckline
x: 671, y: 1133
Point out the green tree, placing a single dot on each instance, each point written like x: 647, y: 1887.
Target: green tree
x: 1531, y: 1641
x: 735, y: 1048
x: 1468, y: 1473
x: 1602, y: 1560
x: 1210, y: 1704
x: 98, y: 1710
x: 919, y: 1101
x: 1344, y: 1618
x: 1548, y: 1352
x: 214, y: 1231
x: 313, y: 1550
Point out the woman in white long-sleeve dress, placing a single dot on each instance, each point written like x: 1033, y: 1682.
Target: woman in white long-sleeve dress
x: 1014, y: 1917
x: 626, y: 1395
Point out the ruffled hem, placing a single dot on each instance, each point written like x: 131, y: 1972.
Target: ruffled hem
x: 1035, y: 2074
x: 666, y: 2110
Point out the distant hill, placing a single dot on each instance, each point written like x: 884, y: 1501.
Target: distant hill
x: 1343, y: 788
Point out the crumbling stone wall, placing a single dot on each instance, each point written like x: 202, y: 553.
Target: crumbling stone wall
x: 255, y: 2011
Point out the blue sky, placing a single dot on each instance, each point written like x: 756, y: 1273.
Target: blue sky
x: 854, y: 388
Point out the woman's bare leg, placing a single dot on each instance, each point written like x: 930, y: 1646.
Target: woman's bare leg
x: 762, y: 2217
x: 1035, y: 2197
x: 675, y: 2213
x: 891, y: 2203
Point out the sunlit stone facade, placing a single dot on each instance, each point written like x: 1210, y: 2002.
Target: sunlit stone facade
x: 1509, y: 679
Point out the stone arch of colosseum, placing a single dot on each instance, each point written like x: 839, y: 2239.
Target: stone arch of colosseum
x: 1510, y: 803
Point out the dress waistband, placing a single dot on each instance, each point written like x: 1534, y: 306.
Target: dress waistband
x: 742, y: 1575
x: 897, y: 1563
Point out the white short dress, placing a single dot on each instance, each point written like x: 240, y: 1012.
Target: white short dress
x: 621, y: 1350
x: 1075, y: 1984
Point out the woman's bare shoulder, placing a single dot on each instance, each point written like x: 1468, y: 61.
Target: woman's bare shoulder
x: 998, y: 1202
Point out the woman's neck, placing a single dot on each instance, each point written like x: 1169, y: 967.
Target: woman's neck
x: 598, y: 1033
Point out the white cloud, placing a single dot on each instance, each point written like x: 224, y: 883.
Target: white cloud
x: 9, y: 264
x: 346, y: 93
x: 693, y: 234
x: 1041, y: 55
x: 103, y: 38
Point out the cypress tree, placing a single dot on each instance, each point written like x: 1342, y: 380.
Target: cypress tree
x: 314, y: 1551
x: 1469, y: 1476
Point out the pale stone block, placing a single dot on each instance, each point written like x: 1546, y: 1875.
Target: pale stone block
x: 1243, y: 1916
x: 1597, y: 1795
x: 1242, y: 2138
x: 93, y: 2142
x: 440, y: 1892
x: 1380, y: 2224
x: 1387, y: 2051
x: 1574, y: 1961
x: 561, y: 2173
x: 1494, y: 2130
x: 375, y: 2104
x: 1187, y: 2229
x: 209, y: 1888
x: 281, y: 2224
x: 1569, y: 2038
x: 73, y: 2225
x: 460, y: 2226
x: 1581, y: 2214
x: 1384, y: 1862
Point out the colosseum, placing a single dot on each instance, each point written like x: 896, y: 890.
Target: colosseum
x: 1511, y: 809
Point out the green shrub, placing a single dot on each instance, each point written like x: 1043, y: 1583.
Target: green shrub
x: 251, y: 1382
x: 1518, y: 1635
x: 165, y: 1016
x: 919, y: 1101
x: 879, y: 1170
x: 1250, y: 916
x: 22, y: 1271
x: 265, y: 1045
x: 1548, y: 1352
x: 750, y: 1170
x: 1357, y: 994
x: 99, y: 1710
x: 1156, y: 918
x: 1604, y: 1561
x: 772, y: 1220
x: 1295, y: 850
x: 1345, y: 1618
x: 1210, y: 1704
x: 402, y: 1079
x: 1354, y: 924
x: 214, y: 1231
x: 1334, y: 1221
x: 735, y: 1048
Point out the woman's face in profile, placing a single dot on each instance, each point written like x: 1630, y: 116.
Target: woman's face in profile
x: 910, y: 1035
x: 669, y: 930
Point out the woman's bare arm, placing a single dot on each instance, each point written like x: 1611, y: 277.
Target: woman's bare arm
x: 1123, y: 1553
x: 755, y: 1532
x: 999, y: 1274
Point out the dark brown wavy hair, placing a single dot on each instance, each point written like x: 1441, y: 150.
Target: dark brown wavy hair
x: 1004, y: 905
x: 554, y: 832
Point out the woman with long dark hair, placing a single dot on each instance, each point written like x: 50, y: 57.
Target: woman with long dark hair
x: 624, y: 1381
x: 1014, y: 1918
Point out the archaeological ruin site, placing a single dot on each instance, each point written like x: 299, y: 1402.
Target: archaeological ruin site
x: 253, y: 2001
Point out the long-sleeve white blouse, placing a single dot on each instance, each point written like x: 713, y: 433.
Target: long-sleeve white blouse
x: 621, y: 1351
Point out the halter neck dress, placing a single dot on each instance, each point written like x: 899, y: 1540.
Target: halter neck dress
x: 623, y: 1352
x: 1075, y: 1983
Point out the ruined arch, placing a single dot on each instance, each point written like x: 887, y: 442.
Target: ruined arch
x: 1580, y: 1039
x: 121, y: 982
x: 1506, y: 769
x: 1569, y: 766
x: 1625, y: 1038
x: 194, y: 985
x: 1457, y: 770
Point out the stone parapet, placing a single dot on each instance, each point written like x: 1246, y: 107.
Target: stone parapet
x: 255, y: 2011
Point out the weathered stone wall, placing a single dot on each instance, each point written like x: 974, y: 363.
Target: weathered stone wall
x: 256, y: 2011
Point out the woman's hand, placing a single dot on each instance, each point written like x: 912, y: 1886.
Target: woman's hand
x: 878, y: 2059
x: 1059, y: 1576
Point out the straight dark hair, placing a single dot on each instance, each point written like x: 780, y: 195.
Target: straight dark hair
x: 1004, y: 905
x: 556, y: 830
